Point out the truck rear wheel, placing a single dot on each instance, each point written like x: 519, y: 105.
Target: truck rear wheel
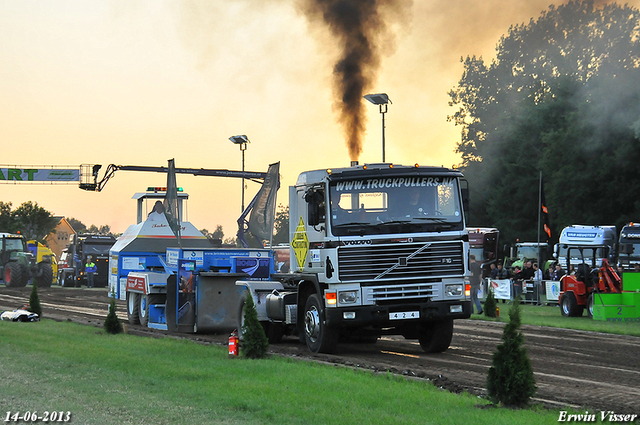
x: 45, y: 275
x: 569, y: 305
x: 436, y: 338
x: 12, y: 275
x: 67, y: 279
x: 319, y: 337
x: 132, y: 308
x: 143, y: 309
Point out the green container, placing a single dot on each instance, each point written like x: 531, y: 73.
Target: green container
x: 624, y: 307
x: 631, y: 282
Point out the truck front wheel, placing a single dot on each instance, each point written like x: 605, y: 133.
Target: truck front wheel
x: 319, y: 337
x: 436, y: 338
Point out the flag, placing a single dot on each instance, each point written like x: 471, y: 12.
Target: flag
x: 545, y: 212
x: 171, y: 202
x: 264, y: 208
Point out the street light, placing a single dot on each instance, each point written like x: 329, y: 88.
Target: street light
x: 382, y: 100
x: 241, y: 141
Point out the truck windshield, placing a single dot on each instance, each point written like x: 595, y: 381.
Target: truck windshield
x: 394, y: 205
x: 529, y: 251
x: 575, y: 254
x: 97, y: 248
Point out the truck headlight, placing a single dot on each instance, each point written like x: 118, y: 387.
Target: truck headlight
x: 347, y: 297
x: 453, y: 290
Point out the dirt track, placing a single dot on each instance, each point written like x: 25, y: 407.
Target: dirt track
x: 572, y: 368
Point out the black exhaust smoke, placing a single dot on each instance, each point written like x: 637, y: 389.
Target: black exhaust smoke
x: 360, y: 30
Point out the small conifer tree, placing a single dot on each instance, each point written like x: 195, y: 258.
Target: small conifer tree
x: 112, y: 324
x: 254, y: 340
x: 510, y: 379
x: 490, y: 305
x: 34, y: 301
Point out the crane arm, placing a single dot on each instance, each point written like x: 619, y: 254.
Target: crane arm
x: 89, y: 175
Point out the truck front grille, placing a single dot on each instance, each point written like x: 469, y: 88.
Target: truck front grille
x: 406, y: 262
x: 400, y: 293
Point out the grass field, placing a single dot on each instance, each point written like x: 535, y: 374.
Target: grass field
x: 551, y: 316
x: 124, y: 379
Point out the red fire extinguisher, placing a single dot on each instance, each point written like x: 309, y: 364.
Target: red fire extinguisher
x: 233, y: 343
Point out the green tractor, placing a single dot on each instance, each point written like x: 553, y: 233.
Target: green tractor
x: 18, y: 265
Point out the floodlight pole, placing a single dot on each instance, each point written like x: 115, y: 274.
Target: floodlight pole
x: 241, y: 141
x: 243, y: 147
x: 382, y: 100
x: 383, y: 110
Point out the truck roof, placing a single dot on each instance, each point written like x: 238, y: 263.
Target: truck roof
x: 11, y: 235
x: 589, y: 235
x: 374, y: 170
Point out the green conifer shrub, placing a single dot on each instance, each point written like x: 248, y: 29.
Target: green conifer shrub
x: 490, y: 305
x: 510, y: 379
x: 112, y: 324
x: 254, y: 340
x: 34, y: 301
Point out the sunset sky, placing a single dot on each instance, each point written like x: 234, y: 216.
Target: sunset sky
x: 138, y: 82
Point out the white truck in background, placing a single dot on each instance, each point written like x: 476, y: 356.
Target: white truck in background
x: 585, y: 236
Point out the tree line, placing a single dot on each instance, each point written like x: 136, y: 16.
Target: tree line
x: 561, y: 98
x: 35, y: 222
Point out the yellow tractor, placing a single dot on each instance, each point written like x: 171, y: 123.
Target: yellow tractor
x: 44, y: 257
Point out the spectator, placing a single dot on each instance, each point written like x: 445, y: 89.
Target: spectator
x: 474, y: 280
x: 537, y: 273
x: 528, y: 272
x: 502, y: 272
x: 90, y: 268
x: 558, y: 272
x: 494, y: 271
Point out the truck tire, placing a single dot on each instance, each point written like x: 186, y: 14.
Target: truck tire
x: 12, y: 274
x: 143, y: 309
x: 68, y: 280
x: 132, y: 308
x: 45, y: 276
x: 569, y: 305
x: 590, y: 302
x: 436, y: 338
x: 319, y: 337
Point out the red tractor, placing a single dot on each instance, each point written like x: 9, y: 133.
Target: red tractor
x: 578, y: 291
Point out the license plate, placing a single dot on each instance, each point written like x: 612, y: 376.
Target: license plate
x: 404, y: 315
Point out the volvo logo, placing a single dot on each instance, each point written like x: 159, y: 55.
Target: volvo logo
x: 358, y: 242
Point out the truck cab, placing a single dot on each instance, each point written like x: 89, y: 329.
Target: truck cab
x: 629, y: 246
x: 379, y: 248
x: 484, y: 244
x: 576, y: 236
